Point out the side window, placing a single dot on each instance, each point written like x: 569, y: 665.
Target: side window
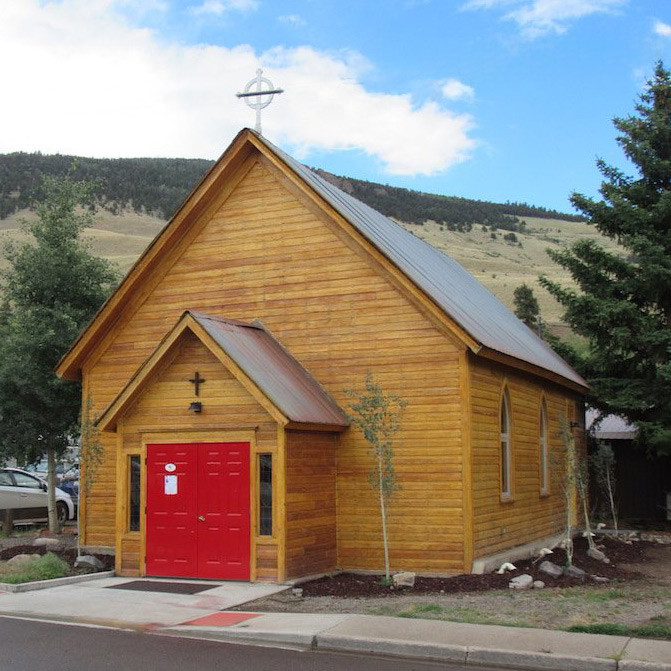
x: 265, y: 495
x: 6, y: 480
x: 134, y: 471
x: 23, y: 480
x: 506, y: 487
x: 543, y: 449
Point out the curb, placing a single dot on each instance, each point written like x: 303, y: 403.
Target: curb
x: 432, y: 651
x: 539, y: 660
x: 305, y: 641
x: 55, y: 582
x: 478, y: 656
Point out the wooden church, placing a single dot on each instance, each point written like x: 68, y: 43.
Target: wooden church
x: 217, y: 372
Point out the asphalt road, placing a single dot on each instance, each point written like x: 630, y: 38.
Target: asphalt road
x: 29, y: 645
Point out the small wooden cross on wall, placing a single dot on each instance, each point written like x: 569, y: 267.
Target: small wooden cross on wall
x: 196, y: 381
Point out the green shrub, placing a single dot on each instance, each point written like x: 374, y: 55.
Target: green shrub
x: 47, y: 567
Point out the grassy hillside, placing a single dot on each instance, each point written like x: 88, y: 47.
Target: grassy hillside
x: 500, y: 265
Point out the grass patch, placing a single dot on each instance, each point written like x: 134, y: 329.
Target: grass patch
x: 46, y: 567
x: 661, y: 630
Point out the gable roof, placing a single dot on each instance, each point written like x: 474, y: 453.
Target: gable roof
x: 480, y: 315
x: 261, y: 363
x: 483, y: 316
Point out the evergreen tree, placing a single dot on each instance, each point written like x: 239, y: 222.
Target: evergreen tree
x: 526, y: 305
x: 51, y: 289
x: 623, y: 302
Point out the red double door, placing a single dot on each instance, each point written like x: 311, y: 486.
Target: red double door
x: 198, y: 518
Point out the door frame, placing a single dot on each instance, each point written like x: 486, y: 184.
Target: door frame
x: 178, y: 437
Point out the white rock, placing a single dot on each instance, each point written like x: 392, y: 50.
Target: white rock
x: 539, y: 584
x: 404, y: 579
x: 46, y: 542
x: 88, y: 561
x: 507, y: 566
x: 524, y: 581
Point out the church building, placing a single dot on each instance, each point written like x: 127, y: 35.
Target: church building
x: 217, y: 374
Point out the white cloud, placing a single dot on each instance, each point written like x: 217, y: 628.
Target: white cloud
x: 219, y: 7
x: 292, y: 19
x: 85, y: 81
x: 453, y: 89
x: 539, y: 17
x: 663, y: 29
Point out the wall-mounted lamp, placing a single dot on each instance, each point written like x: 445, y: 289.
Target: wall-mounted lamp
x: 196, y: 407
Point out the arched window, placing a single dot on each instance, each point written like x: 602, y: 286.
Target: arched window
x: 543, y: 449
x: 506, y: 488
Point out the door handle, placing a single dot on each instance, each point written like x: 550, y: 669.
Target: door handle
x: 201, y: 518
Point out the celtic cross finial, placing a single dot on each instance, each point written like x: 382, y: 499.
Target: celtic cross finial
x: 259, y: 98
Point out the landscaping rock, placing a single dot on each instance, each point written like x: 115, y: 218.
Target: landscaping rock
x: 550, y: 569
x: 575, y: 572
x: 21, y: 559
x: 600, y: 579
x: 88, y: 561
x: 539, y: 584
x: 404, y: 579
x: 46, y: 542
x: 524, y: 581
x: 595, y: 553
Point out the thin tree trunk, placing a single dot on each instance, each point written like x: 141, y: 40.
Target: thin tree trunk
x: 613, y: 511
x: 54, y: 527
x: 384, y: 522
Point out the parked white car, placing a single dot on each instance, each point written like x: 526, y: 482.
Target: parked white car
x: 26, y: 496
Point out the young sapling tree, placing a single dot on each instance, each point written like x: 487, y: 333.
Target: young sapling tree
x: 378, y: 416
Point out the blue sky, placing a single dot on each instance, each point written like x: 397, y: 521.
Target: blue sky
x: 490, y: 99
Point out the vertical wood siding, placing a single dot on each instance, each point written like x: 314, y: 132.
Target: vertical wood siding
x: 265, y: 255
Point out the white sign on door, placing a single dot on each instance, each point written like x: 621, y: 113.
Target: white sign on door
x: 170, y: 485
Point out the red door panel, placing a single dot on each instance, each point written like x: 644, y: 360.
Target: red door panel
x: 202, y: 530
x: 172, y: 518
x: 223, y: 500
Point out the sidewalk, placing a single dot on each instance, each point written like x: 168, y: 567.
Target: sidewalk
x: 204, y: 615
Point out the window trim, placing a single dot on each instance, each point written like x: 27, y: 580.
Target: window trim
x: 259, y: 531
x: 129, y: 490
x: 505, y: 447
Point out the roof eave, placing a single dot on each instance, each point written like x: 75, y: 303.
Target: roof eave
x: 573, y: 385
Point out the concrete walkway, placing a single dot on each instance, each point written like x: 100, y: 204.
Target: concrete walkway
x: 204, y: 615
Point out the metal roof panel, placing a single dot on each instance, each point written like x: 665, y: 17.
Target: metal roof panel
x: 483, y: 316
x: 283, y: 380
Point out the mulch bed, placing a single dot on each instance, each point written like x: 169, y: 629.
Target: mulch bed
x: 67, y: 554
x: 353, y: 585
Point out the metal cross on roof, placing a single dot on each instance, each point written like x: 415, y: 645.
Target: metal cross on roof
x: 259, y: 98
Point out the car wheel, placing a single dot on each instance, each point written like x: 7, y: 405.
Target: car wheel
x: 61, y: 512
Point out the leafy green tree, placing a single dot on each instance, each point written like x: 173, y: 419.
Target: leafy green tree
x: 623, y: 302
x: 51, y: 289
x: 526, y: 305
x: 378, y: 417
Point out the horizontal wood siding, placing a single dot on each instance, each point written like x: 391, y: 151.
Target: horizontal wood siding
x: 266, y: 255
x: 310, y: 503
x: 529, y: 514
x: 163, y: 406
